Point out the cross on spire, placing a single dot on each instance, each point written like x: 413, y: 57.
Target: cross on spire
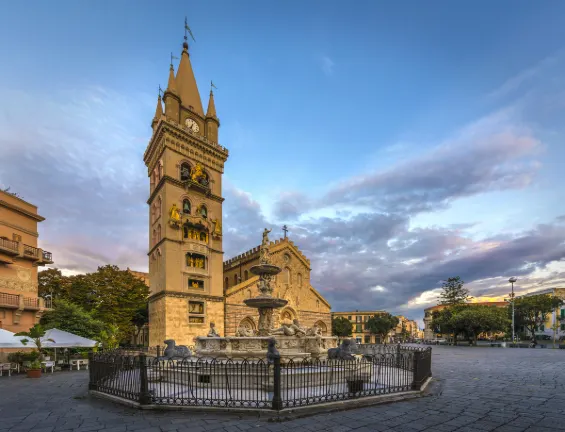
x: 187, y: 31
x: 285, y: 230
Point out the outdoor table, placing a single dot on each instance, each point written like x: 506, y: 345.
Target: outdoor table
x: 77, y: 362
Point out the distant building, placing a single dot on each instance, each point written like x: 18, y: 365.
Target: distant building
x: 405, y: 330
x: 20, y: 306
x: 555, y: 320
x: 431, y: 334
x: 359, y: 321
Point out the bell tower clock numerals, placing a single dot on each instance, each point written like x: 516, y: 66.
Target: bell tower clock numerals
x: 192, y: 125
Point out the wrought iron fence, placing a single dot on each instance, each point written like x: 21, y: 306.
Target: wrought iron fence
x: 256, y: 384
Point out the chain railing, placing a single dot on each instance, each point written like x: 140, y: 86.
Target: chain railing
x: 256, y: 384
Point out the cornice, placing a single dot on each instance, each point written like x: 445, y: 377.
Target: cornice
x: 21, y: 211
x: 176, y: 137
x: 32, y: 233
x: 179, y: 294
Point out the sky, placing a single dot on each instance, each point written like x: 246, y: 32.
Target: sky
x: 401, y: 142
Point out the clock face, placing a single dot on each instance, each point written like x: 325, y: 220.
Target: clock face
x: 192, y: 125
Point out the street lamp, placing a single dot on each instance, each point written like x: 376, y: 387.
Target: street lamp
x: 512, y: 280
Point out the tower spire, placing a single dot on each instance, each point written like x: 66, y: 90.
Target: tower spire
x: 171, y: 85
x: 158, y: 110
x: 186, y: 83
x: 211, y: 112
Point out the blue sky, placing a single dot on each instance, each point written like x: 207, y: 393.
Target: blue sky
x: 436, y: 126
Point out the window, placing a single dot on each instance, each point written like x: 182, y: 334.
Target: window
x: 186, y: 206
x: 299, y: 277
x: 562, y: 313
x: 235, y: 279
x: 226, y: 282
x: 358, y: 340
x: 203, y: 211
x: 317, y: 304
x: 358, y: 319
x: 195, y: 312
x: 245, y: 275
x: 159, y: 206
x: 184, y: 171
x: 195, y: 260
x: 154, y: 236
x: 160, y: 169
x: 158, y: 233
x: 367, y: 339
x: 358, y: 328
x: 154, y: 212
x: 17, y: 238
x: 195, y: 284
x: 286, y: 275
x: 349, y: 317
x: 365, y: 318
x: 562, y: 327
x: 542, y: 327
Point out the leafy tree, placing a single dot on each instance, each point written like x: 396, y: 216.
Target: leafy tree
x: 533, y: 311
x: 342, y: 327
x: 110, y: 337
x: 382, y: 324
x: 52, y: 282
x: 453, y: 292
x: 476, y: 319
x: 110, y: 295
x: 70, y: 317
x: 35, y: 334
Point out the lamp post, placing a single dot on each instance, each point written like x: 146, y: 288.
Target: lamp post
x: 512, y: 280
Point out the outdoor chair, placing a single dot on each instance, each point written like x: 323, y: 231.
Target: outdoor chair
x: 5, y: 367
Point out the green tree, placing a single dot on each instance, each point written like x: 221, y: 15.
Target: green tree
x: 70, y: 317
x: 342, y: 327
x: 476, y: 319
x: 110, y: 337
x: 382, y: 324
x: 533, y: 311
x: 35, y: 334
x: 52, y: 282
x: 453, y: 292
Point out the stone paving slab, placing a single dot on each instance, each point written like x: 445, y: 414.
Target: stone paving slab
x: 474, y: 389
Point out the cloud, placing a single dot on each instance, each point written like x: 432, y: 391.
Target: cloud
x: 327, y: 65
x: 489, y: 155
x: 79, y: 163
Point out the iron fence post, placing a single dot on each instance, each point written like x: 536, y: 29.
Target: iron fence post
x: 277, y: 400
x: 144, y: 395
x: 416, y: 364
x: 91, y: 371
x: 158, y: 351
x: 398, y: 355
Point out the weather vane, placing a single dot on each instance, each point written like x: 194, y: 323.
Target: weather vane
x: 212, y: 86
x: 160, y: 90
x: 187, y: 31
x: 173, y: 58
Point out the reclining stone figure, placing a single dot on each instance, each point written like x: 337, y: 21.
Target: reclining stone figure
x: 174, y: 352
x: 343, y: 352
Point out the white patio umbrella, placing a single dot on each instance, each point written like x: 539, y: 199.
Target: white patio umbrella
x: 55, y: 338
x: 9, y: 340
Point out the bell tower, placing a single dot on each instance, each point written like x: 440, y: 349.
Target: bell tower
x: 185, y: 165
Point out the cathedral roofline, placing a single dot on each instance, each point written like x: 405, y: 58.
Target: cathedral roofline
x: 254, y: 252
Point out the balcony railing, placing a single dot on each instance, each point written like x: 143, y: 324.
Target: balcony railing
x: 9, y: 299
x: 47, y: 256
x: 9, y: 245
x: 31, y: 252
x: 31, y: 302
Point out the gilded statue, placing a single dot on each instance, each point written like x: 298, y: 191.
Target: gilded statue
x: 217, y: 226
x: 197, y: 173
x: 174, y: 213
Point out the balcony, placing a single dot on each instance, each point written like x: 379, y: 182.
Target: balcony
x: 8, y: 247
x: 40, y: 256
x: 31, y: 252
x: 15, y: 301
x: 47, y: 257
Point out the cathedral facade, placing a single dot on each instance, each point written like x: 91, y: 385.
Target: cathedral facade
x: 189, y: 282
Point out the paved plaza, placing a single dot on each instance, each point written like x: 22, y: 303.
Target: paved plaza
x: 474, y: 389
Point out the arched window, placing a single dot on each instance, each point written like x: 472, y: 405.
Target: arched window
x: 245, y: 275
x: 159, y: 206
x: 248, y: 293
x: 184, y: 171
x: 160, y: 169
x: 186, y: 206
x: 286, y: 275
x: 226, y: 282
x: 154, y: 237
x: 203, y: 211
x: 152, y: 180
x: 158, y: 233
x: 317, y: 304
x: 235, y: 279
x: 154, y: 212
x: 299, y: 277
x: 202, y: 236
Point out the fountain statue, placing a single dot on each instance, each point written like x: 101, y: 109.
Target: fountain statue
x: 292, y: 340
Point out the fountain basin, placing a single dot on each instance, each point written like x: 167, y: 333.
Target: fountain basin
x: 265, y: 269
x: 265, y: 302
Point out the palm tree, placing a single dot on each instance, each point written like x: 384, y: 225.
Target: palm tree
x: 35, y: 334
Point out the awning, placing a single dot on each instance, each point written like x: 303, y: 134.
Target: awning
x: 63, y: 339
x: 9, y: 340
